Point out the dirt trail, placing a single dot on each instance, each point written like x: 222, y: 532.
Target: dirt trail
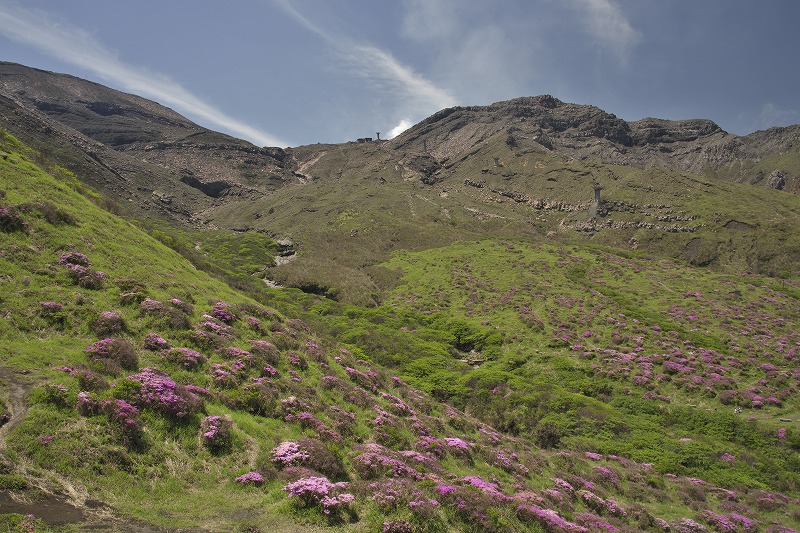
x: 15, y: 388
x: 49, y: 496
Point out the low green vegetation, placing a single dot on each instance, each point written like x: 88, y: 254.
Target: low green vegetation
x: 500, y: 385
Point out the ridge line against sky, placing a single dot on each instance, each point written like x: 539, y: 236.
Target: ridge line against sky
x: 77, y: 47
x: 285, y: 72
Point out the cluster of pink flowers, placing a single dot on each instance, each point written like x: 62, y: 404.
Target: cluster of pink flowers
x: 456, y: 443
x: 549, y: 519
x: 228, y: 374
x: 117, y: 410
x: 84, y: 276
x: 101, y: 348
x: 222, y: 313
x: 216, y: 431
x: 250, y: 478
x: 74, y: 258
x: 321, y: 492
x: 593, y: 522
x: 728, y: 523
x: 149, y: 307
x: 606, y: 474
x: 373, y: 465
x: 155, y: 343
x: 288, y: 453
x: 158, y: 391
x: 366, y: 380
x: 297, y: 360
x: 218, y: 329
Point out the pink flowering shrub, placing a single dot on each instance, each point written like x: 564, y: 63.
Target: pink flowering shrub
x: 56, y: 394
x: 374, y: 465
x: 124, y: 415
x: 158, y: 391
x: 368, y: 380
x: 548, y: 519
x: 687, y: 525
x: 74, y: 258
x: 222, y: 313
x: 155, y: 343
x: 398, y: 525
x: 250, y: 478
x: 727, y: 523
x: 215, y: 432
x: 431, y: 445
x: 52, y: 311
x: 87, y: 380
x: 320, y: 492
x: 86, y: 277
x: 113, y: 355
x: 470, y: 505
x: 255, y: 324
x: 486, y: 487
x: 287, y: 454
x: 232, y: 352
x: 151, y: 307
x: 603, y: 474
x: 221, y: 330
x: 594, y: 523
x: 228, y: 375
x: 185, y: 357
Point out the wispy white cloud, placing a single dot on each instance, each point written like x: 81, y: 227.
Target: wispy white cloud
x: 75, y: 46
x: 772, y: 115
x: 415, y: 94
x: 605, y: 21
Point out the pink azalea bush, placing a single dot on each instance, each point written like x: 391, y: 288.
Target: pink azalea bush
x: 320, y: 492
x: 155, y: 343
x: 118, y: 411
x: 160, y: 392
x: 113, y: 354
x: 215, y: 432
x: 288, y: 453
x: 250, y: 478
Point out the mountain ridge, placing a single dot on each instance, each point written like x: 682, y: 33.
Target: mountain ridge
x: 524, y: 168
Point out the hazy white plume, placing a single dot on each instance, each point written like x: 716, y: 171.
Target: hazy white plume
x: 402, y: 126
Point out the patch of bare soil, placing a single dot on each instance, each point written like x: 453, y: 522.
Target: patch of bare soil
x: 50, y: 497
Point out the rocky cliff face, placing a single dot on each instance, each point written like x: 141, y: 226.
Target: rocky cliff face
x: 588, y: 133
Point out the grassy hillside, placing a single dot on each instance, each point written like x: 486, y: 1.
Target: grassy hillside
x: 356, y: 203
x: 502, y: 386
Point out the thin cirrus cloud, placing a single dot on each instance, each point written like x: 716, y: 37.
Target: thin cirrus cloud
x: 605, y: 21
x: 77, y: 47
x: 416, y: 96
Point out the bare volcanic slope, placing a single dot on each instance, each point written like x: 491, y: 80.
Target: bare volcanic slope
x: 138, y: 152
x: 586, y: 132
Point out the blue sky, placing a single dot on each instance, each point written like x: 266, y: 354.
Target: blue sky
x: 288, y: 73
